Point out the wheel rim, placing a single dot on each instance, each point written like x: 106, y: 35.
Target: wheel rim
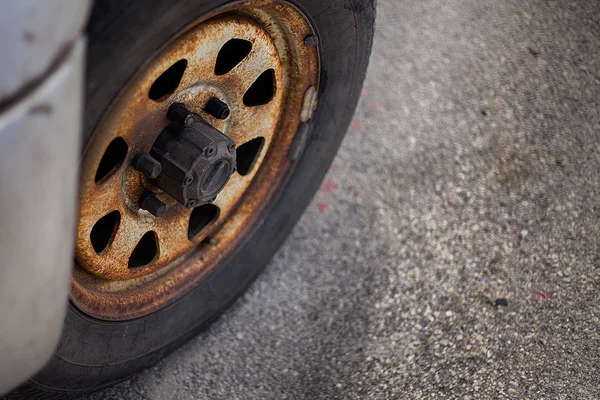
x: 260, y: 58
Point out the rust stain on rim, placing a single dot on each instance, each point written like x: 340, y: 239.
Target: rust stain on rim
x: 103, y: 285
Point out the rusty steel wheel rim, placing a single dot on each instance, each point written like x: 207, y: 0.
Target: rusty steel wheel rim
x: 130, y: 263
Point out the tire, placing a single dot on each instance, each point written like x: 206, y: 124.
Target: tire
x: 94, y: 354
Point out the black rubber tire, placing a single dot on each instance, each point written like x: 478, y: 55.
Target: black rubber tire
x: 94, y: 354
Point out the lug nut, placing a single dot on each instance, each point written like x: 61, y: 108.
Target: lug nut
x: 150, y: 203
x: 147, y: 165
x: 217, y: 108
x: 178, y: 113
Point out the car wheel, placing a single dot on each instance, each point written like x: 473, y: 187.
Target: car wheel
x: 209, y: 126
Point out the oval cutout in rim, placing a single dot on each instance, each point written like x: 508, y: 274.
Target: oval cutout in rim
x: 262, y: 90
x: 104, y: 231
x: 112, y: 159
x: 231, y: 54
x: 168, y: 81
x: 200, y: 218
x: 145, y: 251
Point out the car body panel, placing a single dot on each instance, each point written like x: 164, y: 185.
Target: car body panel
x: 40, y: 123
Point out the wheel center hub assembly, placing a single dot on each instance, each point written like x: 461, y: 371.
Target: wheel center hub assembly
x: 190, y: 160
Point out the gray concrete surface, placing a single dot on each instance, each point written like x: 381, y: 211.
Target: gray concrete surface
x: 470, y: 174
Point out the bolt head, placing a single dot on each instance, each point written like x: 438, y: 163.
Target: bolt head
x: 188, y: 180
x: 191, y: 203
x: 209, y: 151
x: 147, y: 165
x: 310, y: 40
x: 178, y: 113
x: 150, y: 203
x: 217, y: 108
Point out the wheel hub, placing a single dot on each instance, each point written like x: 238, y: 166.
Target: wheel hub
x: 190, y: 160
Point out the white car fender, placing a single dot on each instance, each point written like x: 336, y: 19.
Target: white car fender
x: 40, y: 122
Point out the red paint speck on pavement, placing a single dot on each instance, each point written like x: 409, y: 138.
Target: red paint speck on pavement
x: 322, y: 206
x: 357, y: 124
x: 329, y: 186
x: 542, y: 294
x: 375, y: 107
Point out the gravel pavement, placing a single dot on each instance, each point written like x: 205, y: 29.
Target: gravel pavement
x: 454, y: 249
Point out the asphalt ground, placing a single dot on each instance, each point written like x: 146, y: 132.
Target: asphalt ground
x: 453, y: 251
